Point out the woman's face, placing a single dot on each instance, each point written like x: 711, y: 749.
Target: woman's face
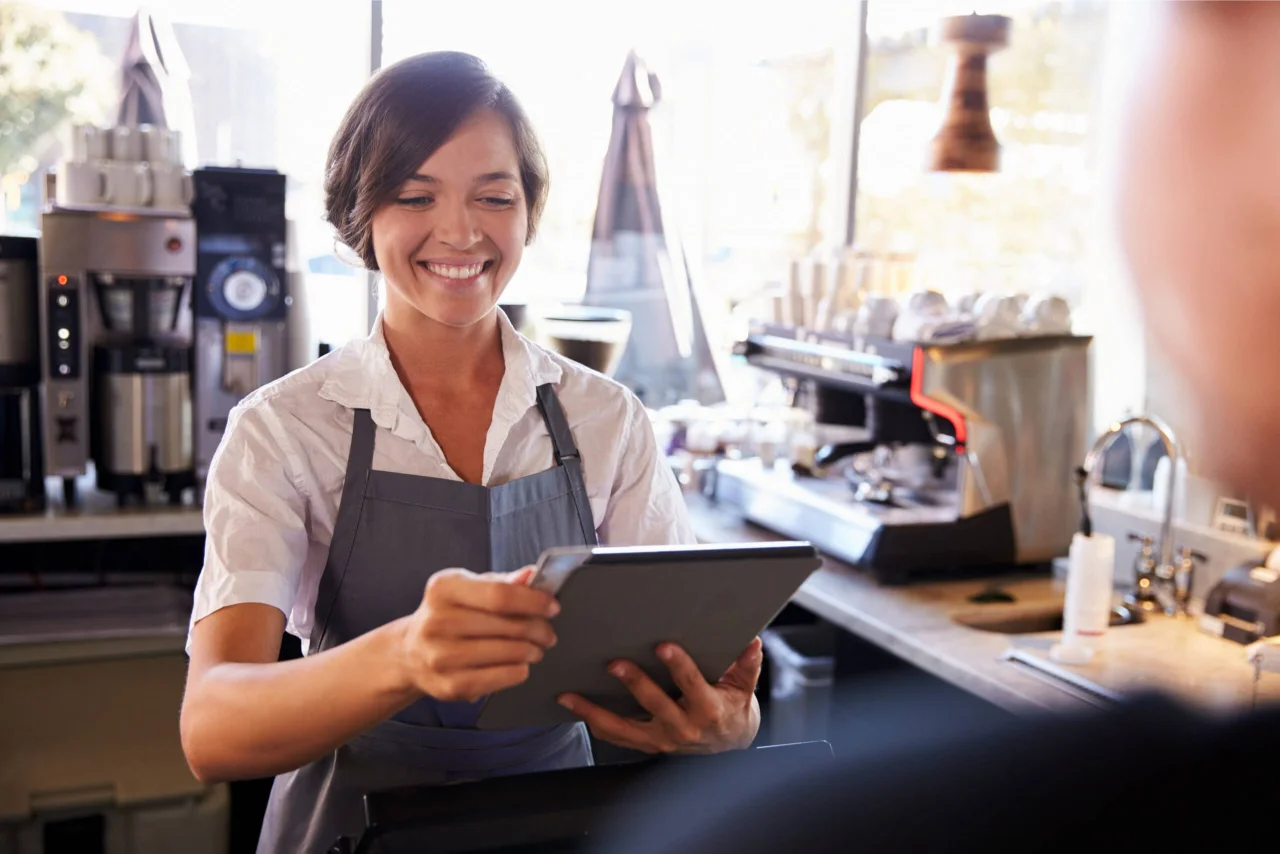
x: 451, y: 239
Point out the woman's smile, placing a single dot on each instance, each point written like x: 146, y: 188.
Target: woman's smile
x: 456, y: 274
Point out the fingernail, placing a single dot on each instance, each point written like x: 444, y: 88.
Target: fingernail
x: 566, y: 702
x: 666, y: 653
x: 553, y: 609
x: 618, y: 669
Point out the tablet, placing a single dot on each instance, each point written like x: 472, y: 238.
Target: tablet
x: 616, y: 603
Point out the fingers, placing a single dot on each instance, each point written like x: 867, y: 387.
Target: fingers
x: 492, y: 593
x: 463, y: 623
x: 606, y: 726
x: 744, y: 673
x: 448, y: 656
x: 688, y: 678
x: 654, y: 700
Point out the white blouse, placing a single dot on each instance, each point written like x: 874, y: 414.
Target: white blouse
x: 271, y: 499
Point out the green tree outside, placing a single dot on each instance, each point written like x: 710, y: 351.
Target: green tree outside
x: 51, y: 75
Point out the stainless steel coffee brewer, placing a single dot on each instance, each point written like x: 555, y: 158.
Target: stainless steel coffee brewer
x: 115, y: 320
x: 963, y: 462
x: 21, y: 451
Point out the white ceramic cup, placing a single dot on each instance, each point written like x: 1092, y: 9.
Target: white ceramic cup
x: 1047, y: 315
x: 171, y: 186
x: 993, y: 307
x: 160, y: 145
x: 927, y: 302
x: 126, y: 143
x: 966, y: 303
x: 80, y: 183
x: 128, y: 183
x: 90, y: 142
x: 876, y: 317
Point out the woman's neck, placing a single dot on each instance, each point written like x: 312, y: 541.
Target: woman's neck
x: 425, y: 352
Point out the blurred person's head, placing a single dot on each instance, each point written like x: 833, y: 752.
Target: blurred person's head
x: 436, y: 180
x: 1201, y: 216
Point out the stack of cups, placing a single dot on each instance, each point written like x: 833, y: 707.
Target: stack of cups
x: 124, y: 167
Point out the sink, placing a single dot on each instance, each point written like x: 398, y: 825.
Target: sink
x: 1025, y: 621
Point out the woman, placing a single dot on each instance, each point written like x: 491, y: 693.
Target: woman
x: 345, y: 494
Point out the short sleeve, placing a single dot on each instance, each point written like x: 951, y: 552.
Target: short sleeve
x: 646, y: 507
x: 254, y: 517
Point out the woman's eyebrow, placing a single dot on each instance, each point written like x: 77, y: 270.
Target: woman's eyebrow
x: 494, y: 176
x: 479, y: 179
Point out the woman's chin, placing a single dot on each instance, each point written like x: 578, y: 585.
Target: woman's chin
x: 458, y: 313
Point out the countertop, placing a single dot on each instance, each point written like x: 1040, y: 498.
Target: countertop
x: 915, y: 622
x: 99, y: 517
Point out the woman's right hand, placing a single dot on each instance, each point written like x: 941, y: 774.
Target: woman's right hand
x: 475, y: 634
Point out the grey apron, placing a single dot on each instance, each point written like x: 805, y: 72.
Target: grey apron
x: 393, y: 531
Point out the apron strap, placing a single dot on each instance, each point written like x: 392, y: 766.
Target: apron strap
x: 359, y: 462
x: 567, y: 456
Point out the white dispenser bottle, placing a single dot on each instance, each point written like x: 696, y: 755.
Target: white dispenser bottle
x: 1086, y: 614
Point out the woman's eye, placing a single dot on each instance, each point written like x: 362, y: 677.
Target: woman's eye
x: 497, y: 202
x: 414, y: 201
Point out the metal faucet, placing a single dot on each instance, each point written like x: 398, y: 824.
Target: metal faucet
x: 1164, y: 575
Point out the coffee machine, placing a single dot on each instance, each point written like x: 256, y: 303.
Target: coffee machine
x: 21, y: 450
x: 115, y: 321
x: 241, y: 303
x: 956, y: 458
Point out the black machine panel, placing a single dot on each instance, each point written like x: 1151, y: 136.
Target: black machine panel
x: 240, y: 244
x: 64, y: 328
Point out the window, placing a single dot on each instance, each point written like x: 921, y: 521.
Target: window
x: 269, y: 84
x: 1025, y: 228
x: 752, y: 131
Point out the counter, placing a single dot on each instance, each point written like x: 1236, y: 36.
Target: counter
x: 917, y: 623
x: 98, y: 517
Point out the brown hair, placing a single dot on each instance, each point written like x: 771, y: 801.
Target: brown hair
x: 403, y: 114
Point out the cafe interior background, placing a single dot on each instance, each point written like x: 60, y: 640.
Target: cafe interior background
x: 845, y: 340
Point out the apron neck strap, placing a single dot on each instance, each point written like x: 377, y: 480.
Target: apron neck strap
x: 360, y: 458
x: 567, y: 457
x: 557, y: 424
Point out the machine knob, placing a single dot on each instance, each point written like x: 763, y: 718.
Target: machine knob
x: 244, y: 290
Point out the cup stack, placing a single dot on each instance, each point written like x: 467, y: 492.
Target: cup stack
x: 124, y: 167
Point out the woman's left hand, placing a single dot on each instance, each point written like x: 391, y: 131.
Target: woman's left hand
x: 708, y: 718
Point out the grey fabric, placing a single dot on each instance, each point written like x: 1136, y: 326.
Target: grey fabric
x: 393, y: 532
x: 567, y: 455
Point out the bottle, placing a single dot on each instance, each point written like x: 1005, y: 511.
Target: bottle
x: 1086, y: 614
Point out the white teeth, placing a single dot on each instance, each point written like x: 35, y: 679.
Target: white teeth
x: 449, y: 271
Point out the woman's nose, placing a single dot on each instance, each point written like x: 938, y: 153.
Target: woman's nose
x: 457, y: 225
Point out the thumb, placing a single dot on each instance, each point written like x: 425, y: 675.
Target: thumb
x: 744, y: 673
x: 520, y: 576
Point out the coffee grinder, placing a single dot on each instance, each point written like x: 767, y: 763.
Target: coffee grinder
x: 115, y: 321
x: 241, y: 304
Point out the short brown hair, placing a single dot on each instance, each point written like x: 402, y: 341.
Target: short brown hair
x: 403, y: 114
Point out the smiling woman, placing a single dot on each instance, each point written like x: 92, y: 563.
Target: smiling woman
x: 371, y: 159
x: 382, y: 503
x: 449, y: 244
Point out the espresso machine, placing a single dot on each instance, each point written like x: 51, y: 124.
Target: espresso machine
x: 115, y: 321
x: 241, y: 304
x: 955, y: 458
x: 21, y: 450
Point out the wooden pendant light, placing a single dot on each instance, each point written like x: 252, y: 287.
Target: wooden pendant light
x: 966, y: 142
